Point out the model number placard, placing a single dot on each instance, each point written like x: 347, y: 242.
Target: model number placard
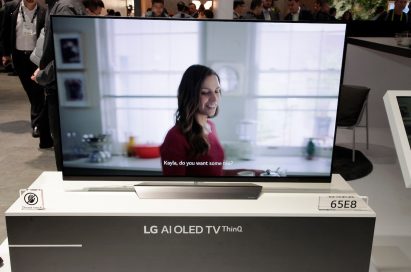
x: 342, y: 203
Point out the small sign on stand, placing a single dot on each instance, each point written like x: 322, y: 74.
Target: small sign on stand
x: 32, y: 199
x: 342, y: 203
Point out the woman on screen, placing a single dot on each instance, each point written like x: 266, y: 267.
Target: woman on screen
x: 191, y: 147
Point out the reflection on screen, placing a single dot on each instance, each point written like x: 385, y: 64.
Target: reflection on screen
x: 404, y: 103
x: 276, y: 111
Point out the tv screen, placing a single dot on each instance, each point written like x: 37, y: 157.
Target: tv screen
x: 197, y: 100
x: 398, y: 105
x: 404, y: 103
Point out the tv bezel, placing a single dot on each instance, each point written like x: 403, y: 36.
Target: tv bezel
x: 399, y: 134
x: 89, y: 174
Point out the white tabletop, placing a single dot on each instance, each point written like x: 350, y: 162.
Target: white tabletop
x: 277, y: 199
x: 383, y: 44
x: 390, y: 41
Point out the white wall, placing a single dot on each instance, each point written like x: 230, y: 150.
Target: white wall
x: 379, y: 71
x: 223, y: 9
x: 90, y: 115
x: 234, y: 50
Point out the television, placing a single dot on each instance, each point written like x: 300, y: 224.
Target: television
x: 197, y: 100
x: 398, y: 106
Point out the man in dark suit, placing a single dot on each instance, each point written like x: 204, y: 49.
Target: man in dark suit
x: 256, y: 11
x: 396, y: 18
x: 238, y: 9
x: 22, y: 23
x: 269, y: 11
x: 323, y: 13
x: 296, y: 12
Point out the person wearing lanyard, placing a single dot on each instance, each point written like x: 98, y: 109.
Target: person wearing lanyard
x: 45, y: 74
x: 397, y: 17
x: 21, y: 27
x: 397, y: 13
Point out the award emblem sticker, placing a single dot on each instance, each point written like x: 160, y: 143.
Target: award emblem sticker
x: 32, y: 199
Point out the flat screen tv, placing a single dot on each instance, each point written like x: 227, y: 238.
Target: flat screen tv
x: 197, y: 100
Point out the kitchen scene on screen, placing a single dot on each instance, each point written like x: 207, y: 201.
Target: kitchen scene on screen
x: 269, y: 103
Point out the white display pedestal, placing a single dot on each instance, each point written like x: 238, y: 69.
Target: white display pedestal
x: 115, y: 231
x: 4, y: 254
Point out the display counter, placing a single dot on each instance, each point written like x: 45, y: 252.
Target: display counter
x: 383, y: 44
x: 4, y: 254
x: 284, y: 230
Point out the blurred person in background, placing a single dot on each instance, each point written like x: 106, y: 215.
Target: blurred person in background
x: 45, y: 74
x: 396, y: 14
x: 157, y: 9
x: 181, y: 8
x: 323, y: 13
x: 269, y: 11
x: 256, y: 11
x: 201, y: 12
x: 316, y: 9
x: 110, y: 12
x: 22, y: 24
x: 238, y: 9
x: 347, y: 16
x: 297, y: 13
x: 396, y: 17
x: 378, y: 12
x: 209, y: 14
x: 93, y: 8
x: 192, y: 10
x: 333, y: 13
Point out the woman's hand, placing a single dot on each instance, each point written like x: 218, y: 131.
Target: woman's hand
x: 5, y: 60
x: 34, y: 76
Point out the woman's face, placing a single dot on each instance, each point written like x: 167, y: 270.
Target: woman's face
x: 157, y: 9
x: 210, y: 94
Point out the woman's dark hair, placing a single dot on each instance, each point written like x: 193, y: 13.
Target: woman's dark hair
x: 345, y: 15
x: 92, y: 5
x: 157, y: 2
x: 188, y: 104
x: 379, y: 9
x: 209, y: 14
x: 238, y: 3
x: 255, y: 3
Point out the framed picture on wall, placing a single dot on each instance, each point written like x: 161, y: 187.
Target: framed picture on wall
x: 69, y: 54
x: 72, y: 89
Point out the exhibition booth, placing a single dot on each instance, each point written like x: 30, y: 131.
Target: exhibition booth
x: 134, y: 193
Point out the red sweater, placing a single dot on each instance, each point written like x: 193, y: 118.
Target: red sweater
x: 175, y: 149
